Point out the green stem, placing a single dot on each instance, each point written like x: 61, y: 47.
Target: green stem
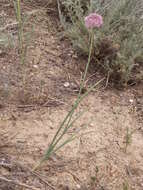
x: 70, y: 114
x: 84, y: 77
x: 52, y: 146
x: 89, y: 59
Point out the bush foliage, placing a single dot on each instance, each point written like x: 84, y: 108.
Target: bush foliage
x: 118, y: 46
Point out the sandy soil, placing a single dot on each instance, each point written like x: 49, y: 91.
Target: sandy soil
x: 36, y: 96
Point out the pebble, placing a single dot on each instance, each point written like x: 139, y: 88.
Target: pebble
x: 131, y: 100
x: 66, y: 84
x: 35, y: 66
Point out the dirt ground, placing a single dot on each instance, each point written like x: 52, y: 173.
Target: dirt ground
x: 36, y: 96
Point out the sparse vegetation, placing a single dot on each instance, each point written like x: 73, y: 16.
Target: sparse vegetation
x: 24, y: 38
x: 17, y: 6
x: 93, y: 135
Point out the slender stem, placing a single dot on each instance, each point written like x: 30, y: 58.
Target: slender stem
x: 89, y: 59
x: 55, y: 141
x: 20, y: 29
x: 65, y: 130
x: 19, y: 23
x: 52, y: 146
x: 81, y: 86
x: 84, y: 77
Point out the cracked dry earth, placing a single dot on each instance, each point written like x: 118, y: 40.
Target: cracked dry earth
x: 31, y: 113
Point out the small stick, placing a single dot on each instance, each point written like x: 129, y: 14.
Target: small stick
x: 18, y: 183
x: 37, y: 175
x: 107, y: 81
x: 25, y: 106
x: 43, y: 180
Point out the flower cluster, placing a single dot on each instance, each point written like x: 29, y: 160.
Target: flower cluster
x: 93, y: 20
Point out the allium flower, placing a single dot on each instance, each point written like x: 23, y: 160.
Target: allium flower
x: 93, y: 20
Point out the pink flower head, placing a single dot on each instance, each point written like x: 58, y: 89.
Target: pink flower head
x: 93, y: 20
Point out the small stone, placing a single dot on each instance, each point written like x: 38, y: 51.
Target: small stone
x: 35, y: 66
x: 66, y: 84
x: 78, y: 186
x: 75, y: 56
x: 91, y: 124
x: 131, y: 100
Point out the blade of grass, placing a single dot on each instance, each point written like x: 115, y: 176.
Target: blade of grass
x: 84, y: 77
x: 52, y: 145
x: 82, y: 97
x: 66, y: 128
x: 73, y: 137
x: 17, y: 6
x: 69, y: 125
x: 69, y: 115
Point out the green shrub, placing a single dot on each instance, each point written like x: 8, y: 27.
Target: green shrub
x: 119, y: 43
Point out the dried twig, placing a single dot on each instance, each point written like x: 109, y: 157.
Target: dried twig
x: 18, y: 183
x: 26, y: 106
x: 36, y: 174
x: 107, y: 81
x: 43, y: 180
